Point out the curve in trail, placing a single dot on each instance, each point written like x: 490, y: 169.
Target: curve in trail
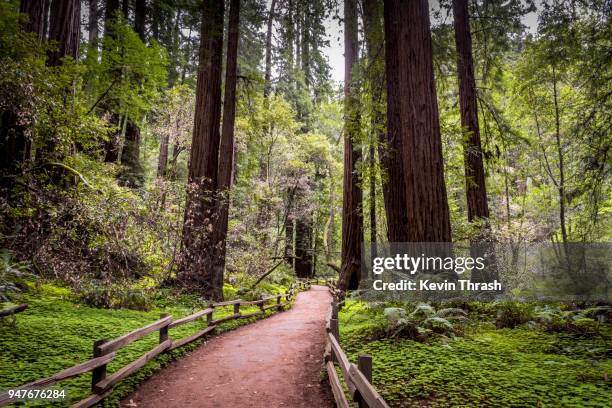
x: 275, y: 362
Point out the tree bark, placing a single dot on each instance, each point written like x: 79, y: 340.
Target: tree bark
x: 373, y: 33
x: 111, y: 9
x: 561, y: 186
x: 303, y: 247
x: 472, y: 151
x: 37, y: 12
x: 94, y: 31
x: 140, y: 17
x: 427, y: 205
x: 268, y: 67
x: 125, y: 9
x: 64, y: 30
x: 352, y: 217
x: 162, y: 161
x: 132, y: 174
x: 390, y: 146
x: 196, y: 265
x: 14, y: 145
x: 226, y: 149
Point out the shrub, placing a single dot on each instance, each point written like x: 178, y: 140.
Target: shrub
x: 424, y: 322
x: 12, y: 275
x: 511, y: 314
x: 114, y: 296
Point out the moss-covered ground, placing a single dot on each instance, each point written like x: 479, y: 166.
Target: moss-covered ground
x: 487, y: 367
x: 55, y: 333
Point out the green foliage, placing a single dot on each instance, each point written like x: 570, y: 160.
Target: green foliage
x: 485, y: 367
x: 424, y: 322
x: 13, y: 275
x: 130, y: 74
x: 512, y: 313
x: 54, y: 333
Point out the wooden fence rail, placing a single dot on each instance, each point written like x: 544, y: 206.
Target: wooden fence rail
x: 358, y: 378
x: 104, y: 350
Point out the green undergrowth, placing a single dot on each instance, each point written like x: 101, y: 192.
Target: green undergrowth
x: 55, y: 333
x: 488, y: 367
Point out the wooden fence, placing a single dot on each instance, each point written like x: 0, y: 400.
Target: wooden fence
x: 357, y: 377
x: 104, y: 350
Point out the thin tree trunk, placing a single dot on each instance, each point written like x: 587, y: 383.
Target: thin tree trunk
x: 162, y: 161
x: 427, y: 205
x: 196, y: 263
x: 352, y: 217
x: 390, y: 144
x: 226, y: 149
x: 472, y: 151
x: 303, y: 247
x: 561, y: 186
x: 268, y: 67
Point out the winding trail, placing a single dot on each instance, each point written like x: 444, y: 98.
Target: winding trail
x: 275, y: 362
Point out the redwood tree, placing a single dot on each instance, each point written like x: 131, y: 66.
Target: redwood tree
x: 226, y: 149
x: 390, y: 147
x: 64, y: 30
x: 472, y: 150
x: 426, y: 202
x: 37, y: 12
x: 197, y: 254
x: 352, y: 218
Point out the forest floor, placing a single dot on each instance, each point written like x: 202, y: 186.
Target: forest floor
x: 273, y: 363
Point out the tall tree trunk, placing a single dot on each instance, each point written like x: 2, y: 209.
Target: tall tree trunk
x: 352, y: 217
x: 226, y: 149
x: 390, y: 143
x: 475, y: 187
x: 303, y: 247
x: 111, y: 10
x: 162, y: 161
x: 14, y: 145
x: 373, y: 33
x: 472, y: 151
x: 94, y: 31
x: 289, y: 241
x: 64, y: 30
x: 196, y: 266
x: 305, y: 43
x: 427, y: 205
x: 37, y: 12
x: 561, y: 184
x: 125, y: 9
x: 140, y: 17
x: 132, y: 174
x: 268, y: 67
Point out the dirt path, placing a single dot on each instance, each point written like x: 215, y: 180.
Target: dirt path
x: 275, y: 362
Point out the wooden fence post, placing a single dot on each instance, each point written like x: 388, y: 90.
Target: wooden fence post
x: 364, y: 364
x: 335, y: 330
x: 98, y: 373
x: 279, y: 306
x: 335, y: 310
x: 163, y: 332
x: 209, y: 318
x: 261, y: 305
x: 236, y: 308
